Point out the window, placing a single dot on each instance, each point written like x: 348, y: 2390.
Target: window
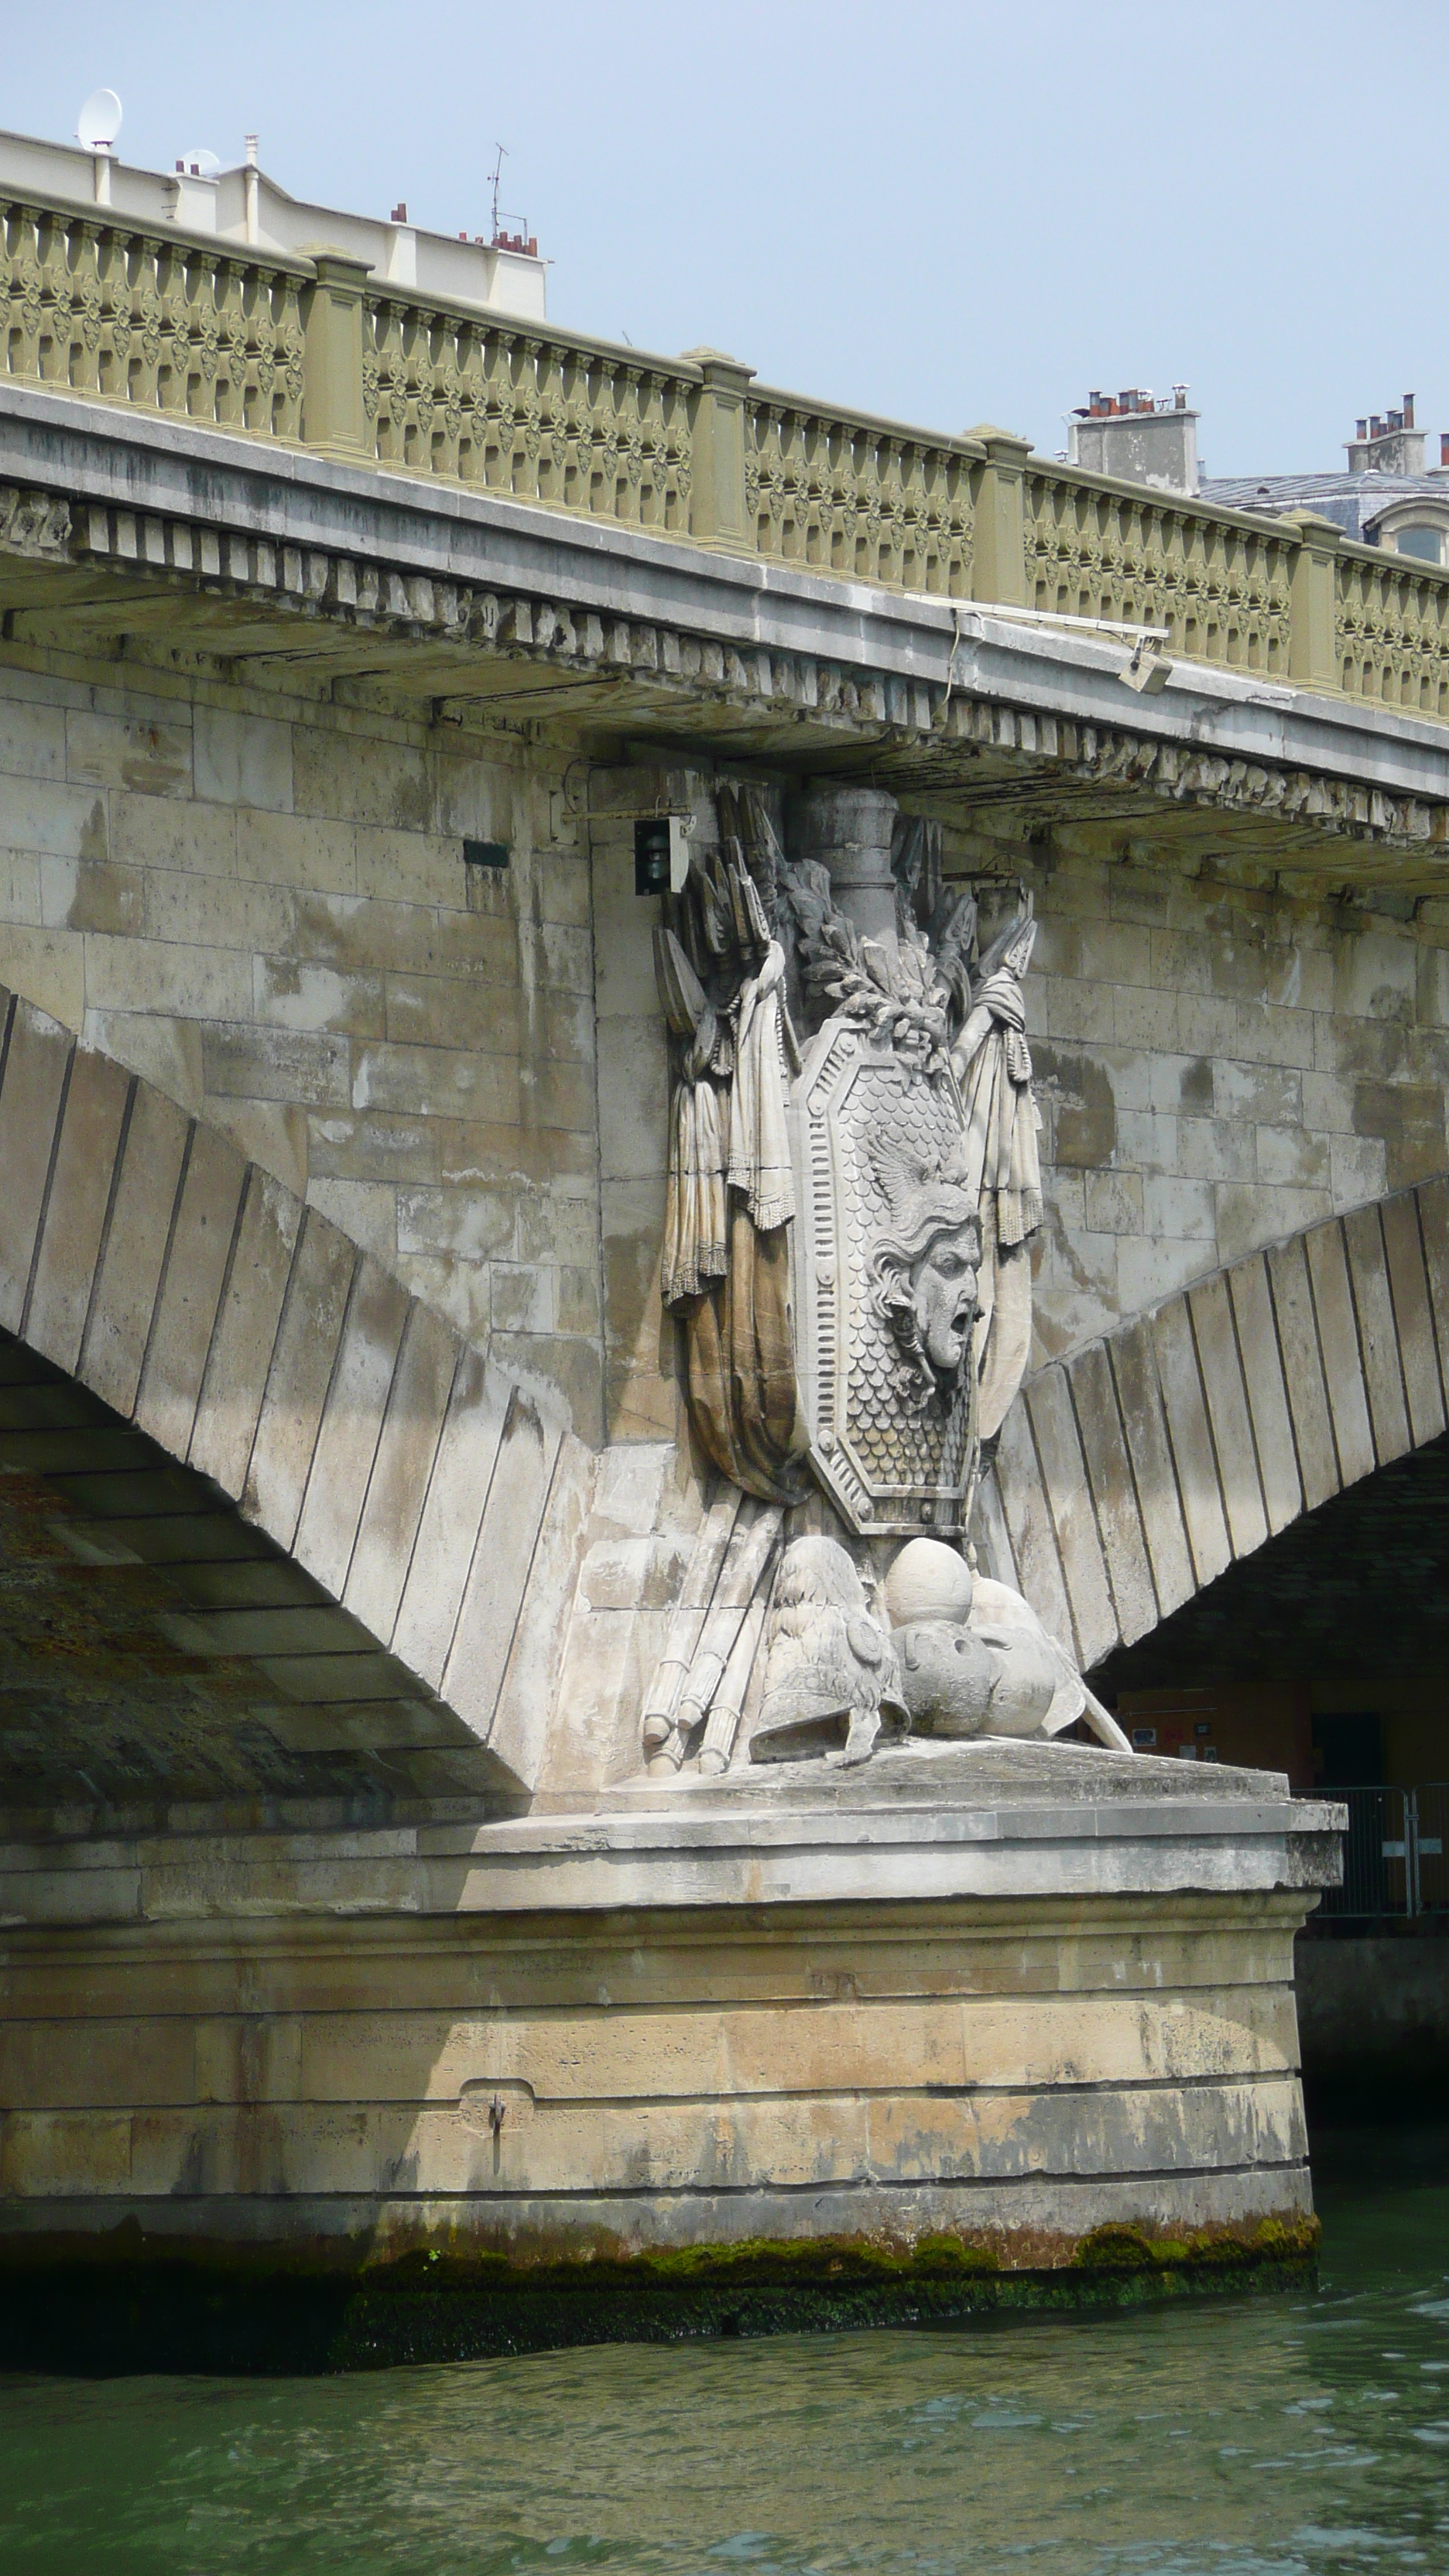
x: 1426, y: 543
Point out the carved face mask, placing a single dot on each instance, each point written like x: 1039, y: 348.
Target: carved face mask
x: 944, y: 1292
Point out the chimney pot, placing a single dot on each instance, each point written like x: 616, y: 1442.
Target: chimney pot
x: 1408, y: 411
x: 400, y: 211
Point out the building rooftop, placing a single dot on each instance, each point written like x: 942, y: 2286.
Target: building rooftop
x: 497, y: 272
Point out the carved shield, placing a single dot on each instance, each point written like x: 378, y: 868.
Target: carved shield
x: 892, y: 1462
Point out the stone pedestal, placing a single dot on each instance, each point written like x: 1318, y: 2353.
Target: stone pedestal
x: 1022, y: 2012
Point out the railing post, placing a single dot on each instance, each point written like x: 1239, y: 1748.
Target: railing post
x: 333, y: 418
x: 1313, y: 600
x: 718, y: 511
x: 998, y: 569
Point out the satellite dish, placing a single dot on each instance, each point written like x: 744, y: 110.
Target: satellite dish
x: 99, y: 121
x: 202, y: 165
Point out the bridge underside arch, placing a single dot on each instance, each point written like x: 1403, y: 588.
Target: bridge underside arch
x: 1136, y: 1472
x: 268, y: 1526
x: 159, y: 1651
x: 1323, y: 1654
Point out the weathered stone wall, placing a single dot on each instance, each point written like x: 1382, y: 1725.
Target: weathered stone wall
x: 260, y: 902
x: 1220, y: 1065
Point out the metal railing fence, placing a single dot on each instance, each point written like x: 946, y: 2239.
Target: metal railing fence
x: 1394, y: 1853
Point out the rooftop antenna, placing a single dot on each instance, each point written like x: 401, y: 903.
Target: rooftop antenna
x: 497, y: 176
x: 97, y: 127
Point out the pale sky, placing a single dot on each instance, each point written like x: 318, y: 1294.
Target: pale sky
x: 945, y: 214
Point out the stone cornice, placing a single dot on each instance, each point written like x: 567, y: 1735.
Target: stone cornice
x: 461, y: 577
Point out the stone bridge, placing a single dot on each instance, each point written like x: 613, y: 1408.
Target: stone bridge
x: 344, y: 1475
x: 320, y: 785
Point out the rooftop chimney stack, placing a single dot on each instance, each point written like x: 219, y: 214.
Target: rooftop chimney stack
x: 1136, y: 439
x: 1388, y: 445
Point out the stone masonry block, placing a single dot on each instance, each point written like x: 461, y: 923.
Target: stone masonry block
x: 55, y: 822
x: 249, y: 1314
x: 1376, y: 975
x: 1080, y: 1010
x: 1265, y: 1094
x: 1134, y: 1371
x: 498, y: 1579
x: 1251, y: 1215
x: 96, y: 1100
x: 1338, y: 1343
x: 112, y: 751
x: 1150, y: 1268
x: 1290, y: 1156
x: 241, y: 1061
x: 471, y: 1225
x: 561, y: 1095
x: 32, y: 1090
x: 429, y: 1082
x: 196, y: 1265
x: 1180, y: 1084
x: 413, y: 867
x: 217, y: 912
x: 1186, y: 1209
x: 1194, y: 1459
x: 446, y: 1011
x: 359, y: 934
x: 1116, y: 952
x: 242, y: 759
x: 1268, y: 1404
x: 32, y: 740
x: 417, y: 1403
x: 365, y: 1211
x: 92, y: 894
x: 351, y: 1426
x: 523, y: 1299
x: 135, y: 1249
x: 302, y: 850
x: 447, y: 1534
x: 361, y: 779
x: 140, y: 975
x: 1215, y: 1149
x: 1297, y: 1338
x: 308, y: 1335
x: 189, y: 838
x: 1109, y: 1470
x: 1114, y: 1202
x: 1377, y: 1337
x: 288, y: 994
x: 1204, y: 1025
x: 1358, y: 1169
x: 1269, y: 1035
x: 1413, y: 1317
x: 1079, y: 1545
x: 521, y: 1729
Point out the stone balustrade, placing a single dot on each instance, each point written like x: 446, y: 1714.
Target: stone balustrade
x: 317, y: 354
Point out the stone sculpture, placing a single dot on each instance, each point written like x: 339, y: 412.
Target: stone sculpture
x: 831, y: 1674
x: 853, y: 1187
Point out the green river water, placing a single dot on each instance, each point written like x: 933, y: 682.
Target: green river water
x: 1279, y: 2436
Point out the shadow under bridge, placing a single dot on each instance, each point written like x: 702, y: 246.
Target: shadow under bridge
x: 269, y: 1530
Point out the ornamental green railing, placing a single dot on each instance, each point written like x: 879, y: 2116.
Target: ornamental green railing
x: 317, y: 354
